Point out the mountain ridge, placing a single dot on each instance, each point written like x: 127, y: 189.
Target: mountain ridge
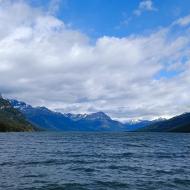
x: 99, y: 121
x: 12, y: 120
x: 179, y: 123
x: 50, y: 120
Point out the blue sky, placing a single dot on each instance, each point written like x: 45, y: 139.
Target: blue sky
x: 127, y: 58
x: 116, y: 17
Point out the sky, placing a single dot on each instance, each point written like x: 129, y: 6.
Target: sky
x: 127, y: 58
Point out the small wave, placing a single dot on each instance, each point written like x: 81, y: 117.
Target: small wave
x: 112, y: 184
x: 66, y: 186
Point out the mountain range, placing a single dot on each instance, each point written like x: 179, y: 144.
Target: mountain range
x: 179, y: 123
x: 19, y: 116
x: 55, y: 121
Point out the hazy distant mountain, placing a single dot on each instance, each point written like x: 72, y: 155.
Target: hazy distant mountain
x: 179, y: 123
x: 12, y: 120
x: 141, y: 124
x: 50, y: 120
x: 100, y: 122
x: 133, y: 126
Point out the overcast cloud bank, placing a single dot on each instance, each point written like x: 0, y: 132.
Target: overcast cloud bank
x: 44, y: 62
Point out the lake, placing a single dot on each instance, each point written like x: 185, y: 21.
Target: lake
x: 94, y: 161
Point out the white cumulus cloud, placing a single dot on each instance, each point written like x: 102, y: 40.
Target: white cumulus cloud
x: 44, y: 62
x: 144, y: 5
x: 185, y: 21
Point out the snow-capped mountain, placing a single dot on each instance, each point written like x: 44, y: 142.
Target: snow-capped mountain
x: 51, y: 120
x: 99, y: 121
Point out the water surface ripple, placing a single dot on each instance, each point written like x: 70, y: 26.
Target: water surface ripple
x: 94, y: 161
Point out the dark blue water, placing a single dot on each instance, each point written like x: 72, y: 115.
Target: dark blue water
x: 94, y: 161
